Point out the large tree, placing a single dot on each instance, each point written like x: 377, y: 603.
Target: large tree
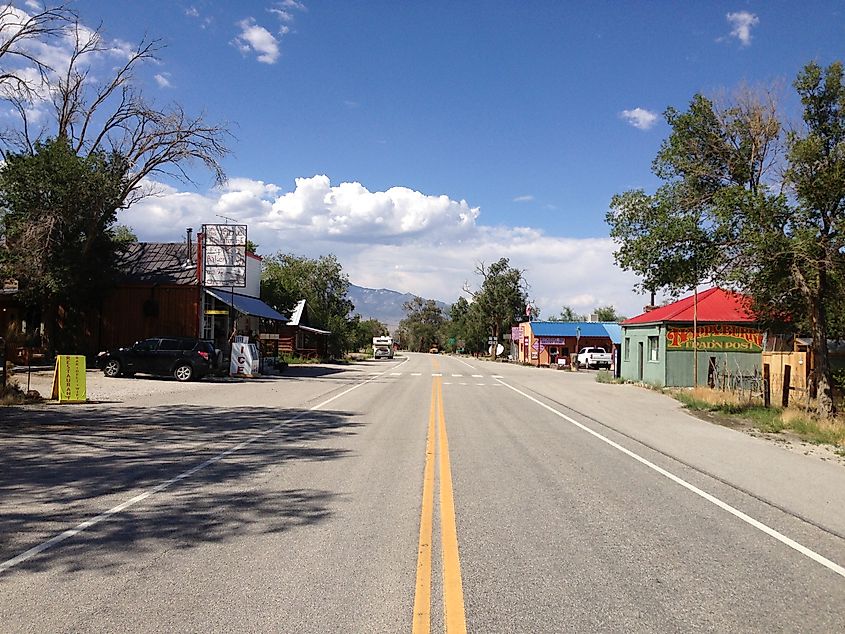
x: 501, y: 298
x: 57, y: 222
x: 744, y: 204
x: 422, y: 327
x: 287, y: 278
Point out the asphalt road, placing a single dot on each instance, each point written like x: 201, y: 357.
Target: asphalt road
x: 419, y: 494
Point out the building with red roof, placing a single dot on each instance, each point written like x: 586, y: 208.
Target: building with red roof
x: 659, y: 346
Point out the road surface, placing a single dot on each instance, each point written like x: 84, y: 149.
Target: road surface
x: 424, y: 493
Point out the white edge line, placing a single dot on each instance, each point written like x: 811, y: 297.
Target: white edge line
x: 465, y: 363
x: 824, y: 561
x: 56, y: 539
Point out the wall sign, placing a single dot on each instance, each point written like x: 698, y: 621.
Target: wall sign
x: 717, y: 338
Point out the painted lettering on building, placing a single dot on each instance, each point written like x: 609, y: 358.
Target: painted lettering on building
x: 716, y: 337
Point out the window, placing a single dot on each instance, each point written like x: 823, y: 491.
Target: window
x: 653, y: 347
x: 169, y: 344
x: 627, y: 348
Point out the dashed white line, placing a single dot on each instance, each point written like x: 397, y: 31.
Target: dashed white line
x: 478, y: 376
x: 457, y: 375
x: 416, y: 373
x: 436, y: 374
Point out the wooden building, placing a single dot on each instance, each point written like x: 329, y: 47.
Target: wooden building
x: 544, y: 342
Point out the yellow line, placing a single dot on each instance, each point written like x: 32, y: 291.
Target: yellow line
x: 453, y: 593
x: 422, y: 596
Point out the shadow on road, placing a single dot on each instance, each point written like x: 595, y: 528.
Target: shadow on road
x: 59, y: 468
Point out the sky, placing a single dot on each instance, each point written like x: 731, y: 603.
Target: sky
x: 415, y: 140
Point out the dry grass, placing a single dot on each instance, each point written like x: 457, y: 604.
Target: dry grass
x: 803, y: 423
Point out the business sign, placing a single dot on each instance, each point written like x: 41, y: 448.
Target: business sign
x: 224, y: 255
x: 69, y: 379
x: 552, y: 341
x: 715, y: 337
x: 516, y: 333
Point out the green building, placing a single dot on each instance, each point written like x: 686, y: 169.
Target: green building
x: 659, y: 346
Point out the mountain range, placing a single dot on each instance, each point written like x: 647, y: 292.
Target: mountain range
x: 384, y: 304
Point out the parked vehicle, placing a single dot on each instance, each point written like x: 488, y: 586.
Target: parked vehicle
x: 594, y: 358
x: 184, y: 358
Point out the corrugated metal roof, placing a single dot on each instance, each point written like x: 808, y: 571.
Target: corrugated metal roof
x: 714, y: 305
x: 574, y: 329
x: 247, y: 305
x: 158, y: 263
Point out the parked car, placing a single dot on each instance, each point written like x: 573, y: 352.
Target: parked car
x: 594, y: 358
x: 184, y: 358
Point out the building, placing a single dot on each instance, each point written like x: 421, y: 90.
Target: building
x: 296, y: 337
x: 544, y: 342
x: 659, y: 346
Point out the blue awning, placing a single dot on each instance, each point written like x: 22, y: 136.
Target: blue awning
x: 247, y: 305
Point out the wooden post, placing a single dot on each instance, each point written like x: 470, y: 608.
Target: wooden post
x: 767, y: 389
x: 787, y: 372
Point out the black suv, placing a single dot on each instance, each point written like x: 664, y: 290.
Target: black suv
x: 184, y: 358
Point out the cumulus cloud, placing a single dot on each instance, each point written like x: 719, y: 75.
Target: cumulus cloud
x: 254, y: 38
x: 640, y: 118
x: 162, y: 79
x: 398, y: 238
x: 524, y: 199
x: 741, y: 23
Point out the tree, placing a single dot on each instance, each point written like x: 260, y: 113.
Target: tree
x: 607, y: 313
x: 502, y: 297
x: 58, y: 220
x: 288, y: 278
x: 567, y: 314
x: 363, y: 331
x: 422, y: 327
x: 467, y: 325
x: 744, y: 206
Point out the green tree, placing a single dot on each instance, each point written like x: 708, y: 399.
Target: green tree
x: 501, y: 299
x: 288, y: 278
x: 567, y: 314
x: 422, y: 327
x: 58, y: 214
x: 727, y: 214
x: 607, y: 313
x: 363, y: 331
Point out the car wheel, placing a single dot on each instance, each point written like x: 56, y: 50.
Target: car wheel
x: 112, y: 368
x: 183, y: 372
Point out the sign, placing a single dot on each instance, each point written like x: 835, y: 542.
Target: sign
x: 516, y: 333
x: 244, y: 359
x: 538, y: 345
x: 224, y: 255
x: 69, y: 379
x: 716, y: 337
x: 552, y: 341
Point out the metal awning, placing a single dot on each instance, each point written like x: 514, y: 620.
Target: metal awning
x: 316, y: 331
x: 247, y: 305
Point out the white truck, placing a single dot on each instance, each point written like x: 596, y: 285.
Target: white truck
x: 382, y: 347
x: 594, y: 358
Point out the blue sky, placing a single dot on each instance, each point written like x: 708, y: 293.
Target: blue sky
x: 414, y: 139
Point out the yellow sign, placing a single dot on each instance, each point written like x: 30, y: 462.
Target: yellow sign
x: 217, y: 312
x: 69, y: 379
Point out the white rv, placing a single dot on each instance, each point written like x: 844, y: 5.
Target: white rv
x: 382, y: 347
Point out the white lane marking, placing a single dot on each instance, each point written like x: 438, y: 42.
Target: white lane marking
x: 463, y: 383
x: 821, y: 559
x: 472, y: 367
x: 478, y: 376
x: 496, y: 376
x: 436, y: 374
x: 479, y: 383
x: 395, y: 374
x: 40, y: 548
x: 447, y: 383
x: 416, y: 373
x: 457, y: 375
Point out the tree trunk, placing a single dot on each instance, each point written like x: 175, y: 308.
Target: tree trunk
x: 49, y: 317
x: 821, y: 367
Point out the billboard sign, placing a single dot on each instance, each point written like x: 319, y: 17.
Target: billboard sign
x: 224, y: 255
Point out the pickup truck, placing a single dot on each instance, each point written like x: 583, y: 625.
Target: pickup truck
x: 594, y: 358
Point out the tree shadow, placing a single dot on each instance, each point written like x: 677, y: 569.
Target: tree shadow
x: 60, y: 467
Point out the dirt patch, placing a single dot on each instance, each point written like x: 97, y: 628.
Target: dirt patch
x: 785, y: 439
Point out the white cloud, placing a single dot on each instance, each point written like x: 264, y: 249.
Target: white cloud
x: 192, y: 12
x: 741, y: 23
x: 162, y: 79
x: 399, y: 238
x: 257, y: 39
x: 524, y: 199
x: 639, y: 118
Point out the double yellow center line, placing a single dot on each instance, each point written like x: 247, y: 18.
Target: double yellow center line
x: 453, y: 595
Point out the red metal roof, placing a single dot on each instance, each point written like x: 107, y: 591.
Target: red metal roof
x: 714, y: 304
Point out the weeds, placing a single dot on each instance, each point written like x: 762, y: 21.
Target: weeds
x: 12, y: 394
x: 770, y: 420
x: 604, y: 376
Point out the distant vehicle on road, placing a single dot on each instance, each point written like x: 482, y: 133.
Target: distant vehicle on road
x: 382, y: 347
x: 594, y: 358
x: 183, y: 358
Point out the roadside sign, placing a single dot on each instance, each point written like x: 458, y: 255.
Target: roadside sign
x: 69, y: 379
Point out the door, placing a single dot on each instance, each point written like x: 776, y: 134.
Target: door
x: 640, y: 361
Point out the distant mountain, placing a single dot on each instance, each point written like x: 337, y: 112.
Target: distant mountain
x: 384, y: 304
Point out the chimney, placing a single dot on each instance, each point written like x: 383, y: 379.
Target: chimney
x: 189, y: 231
